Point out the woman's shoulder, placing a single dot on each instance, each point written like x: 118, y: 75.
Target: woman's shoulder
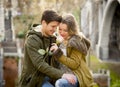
x: 74, y: 39
x: 80, y: 43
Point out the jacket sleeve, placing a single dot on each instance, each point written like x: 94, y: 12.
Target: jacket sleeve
x: 73, y: 61
x: 32, y: 46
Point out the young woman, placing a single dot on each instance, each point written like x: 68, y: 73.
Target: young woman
x: 72, y: 55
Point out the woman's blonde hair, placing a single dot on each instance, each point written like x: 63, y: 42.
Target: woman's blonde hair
x: 71, y: 23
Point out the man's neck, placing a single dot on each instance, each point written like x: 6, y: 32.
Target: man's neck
x: 43, y: 33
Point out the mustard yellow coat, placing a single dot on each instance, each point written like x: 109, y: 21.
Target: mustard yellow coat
x: 76, y: 60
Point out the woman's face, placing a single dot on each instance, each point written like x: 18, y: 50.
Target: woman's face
x: 63, y: 31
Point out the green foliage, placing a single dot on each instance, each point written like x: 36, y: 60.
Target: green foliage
x: 115, y: 79
x: 22, y: 24
x: 116, y: 83
x: 21, y: 34
x: 96, y: 86
x: 23, y: 19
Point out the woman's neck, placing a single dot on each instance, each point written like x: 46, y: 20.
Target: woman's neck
x: 65, y: 42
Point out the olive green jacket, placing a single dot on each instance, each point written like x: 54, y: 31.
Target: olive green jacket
x: 36, y: 65
x: 76, y: 52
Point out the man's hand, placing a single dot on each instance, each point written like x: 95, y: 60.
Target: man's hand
x: 54, y: 47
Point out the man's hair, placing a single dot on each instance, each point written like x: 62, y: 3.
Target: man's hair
x: 50, y: 15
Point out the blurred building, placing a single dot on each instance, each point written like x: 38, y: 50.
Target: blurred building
x: 100, y: 21
x: 1, y: 38
x: 9, y: 46
x: 1, y: 20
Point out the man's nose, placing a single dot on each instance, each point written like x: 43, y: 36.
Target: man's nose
x: 54, y: 28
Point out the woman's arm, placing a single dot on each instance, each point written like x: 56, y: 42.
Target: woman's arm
x: 73, y: 61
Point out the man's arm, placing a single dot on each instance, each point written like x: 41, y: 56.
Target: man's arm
x: 32, y: 45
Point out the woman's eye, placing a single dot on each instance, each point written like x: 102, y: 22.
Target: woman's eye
x: 66, y: 30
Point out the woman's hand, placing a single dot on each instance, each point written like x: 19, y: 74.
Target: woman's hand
x: 70, y: 77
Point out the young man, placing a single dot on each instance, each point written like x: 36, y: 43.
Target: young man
x: 38, y: 65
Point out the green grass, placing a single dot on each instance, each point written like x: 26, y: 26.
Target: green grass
x: 96, y: 64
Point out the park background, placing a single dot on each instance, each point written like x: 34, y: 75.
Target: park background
x: 97, y: 19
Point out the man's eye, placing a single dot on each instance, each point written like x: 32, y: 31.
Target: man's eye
x: 59, y: 29
x: 54, y: 26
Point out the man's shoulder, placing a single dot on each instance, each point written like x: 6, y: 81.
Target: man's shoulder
x: 33, y: 40
x: 34, y: 37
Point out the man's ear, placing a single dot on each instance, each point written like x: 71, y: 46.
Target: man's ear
x: 44, y: 22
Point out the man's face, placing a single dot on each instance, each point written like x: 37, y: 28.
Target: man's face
x: 49, y: 28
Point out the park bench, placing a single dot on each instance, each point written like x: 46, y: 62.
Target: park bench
x: 102, y: 78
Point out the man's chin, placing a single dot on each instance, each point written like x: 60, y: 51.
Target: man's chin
x: 50, y: 34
